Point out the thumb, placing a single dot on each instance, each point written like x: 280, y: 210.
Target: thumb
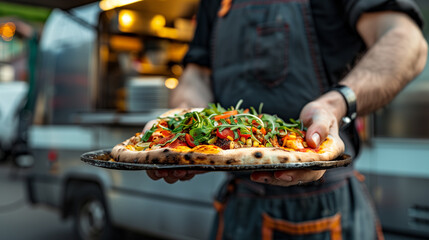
x: 317, y: 132
x: 313, y: 140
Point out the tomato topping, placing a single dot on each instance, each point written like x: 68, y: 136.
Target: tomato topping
x: 244, y: 135
x: 225, y: 133
x: 176, y: 143
x: 165, y: 133
x: 190, y: 140
x: 162, y: 140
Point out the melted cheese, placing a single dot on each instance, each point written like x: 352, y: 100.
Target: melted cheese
x: 181, y: 149
x: 207, y: 149
x: 130, y: 147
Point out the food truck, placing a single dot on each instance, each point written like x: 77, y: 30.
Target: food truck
x: 99, y: 84
x: 104, y: 73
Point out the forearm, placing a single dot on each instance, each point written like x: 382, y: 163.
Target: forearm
x: 397, y: 54
x: 395, y: 58
x: 194, y: 89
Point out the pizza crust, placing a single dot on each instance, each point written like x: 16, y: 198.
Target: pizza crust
x: 330, y: 149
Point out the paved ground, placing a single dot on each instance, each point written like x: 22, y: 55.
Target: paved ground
x: 21, y: 221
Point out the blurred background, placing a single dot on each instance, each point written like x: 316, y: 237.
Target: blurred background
x: 77, y: 76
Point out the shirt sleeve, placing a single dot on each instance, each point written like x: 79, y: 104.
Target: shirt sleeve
x: 199, y: 47
x: 355, y: 8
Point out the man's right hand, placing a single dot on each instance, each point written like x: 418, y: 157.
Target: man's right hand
x: 172, y: 176
x: 193, y: 91
x: 169, y: 176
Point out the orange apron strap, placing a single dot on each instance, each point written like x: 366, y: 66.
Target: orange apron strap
x: 359, y: 176
x: 220, y: 207
x: 224, y: 8
x: 331, y: 224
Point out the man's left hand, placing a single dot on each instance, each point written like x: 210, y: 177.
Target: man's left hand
x: 321, y: 118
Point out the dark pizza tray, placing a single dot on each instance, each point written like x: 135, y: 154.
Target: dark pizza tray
x: 102, y: 158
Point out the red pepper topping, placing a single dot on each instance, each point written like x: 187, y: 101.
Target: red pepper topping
x: 246, y: 136
x: 190, y: 140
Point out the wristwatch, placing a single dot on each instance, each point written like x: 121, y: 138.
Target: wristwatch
x: 350, y: 98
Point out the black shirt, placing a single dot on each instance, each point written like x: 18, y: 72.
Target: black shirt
x: 335, y: 22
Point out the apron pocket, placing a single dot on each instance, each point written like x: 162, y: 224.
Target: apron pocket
x: 325, y: 228
x: 270, y: 53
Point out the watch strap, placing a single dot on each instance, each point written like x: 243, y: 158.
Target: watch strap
x: 350, y: 99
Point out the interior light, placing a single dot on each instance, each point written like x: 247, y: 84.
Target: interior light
x: 157, y: 22
x: 126, y: 18
x: 110, y: 4
x: 7, y: 31
x: 177, y: 70
x: 171, y: 83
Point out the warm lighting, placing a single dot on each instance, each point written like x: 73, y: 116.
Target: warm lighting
x: 171, y: 83
x: 110, y: 4
x: 7, y: 31
x: 125, y: 43
x: 157, y: 22
x: 126, y: 18
x: 167, y: 33
x: 177, y: 70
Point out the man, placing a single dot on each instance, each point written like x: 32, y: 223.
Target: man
x: 322, y: 61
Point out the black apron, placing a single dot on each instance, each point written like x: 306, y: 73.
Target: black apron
x: 267, y: 51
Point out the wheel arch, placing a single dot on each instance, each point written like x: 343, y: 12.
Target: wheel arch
x: 71, y: 184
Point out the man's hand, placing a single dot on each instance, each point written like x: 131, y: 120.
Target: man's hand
x: 193, y: 91
x: 172, y: 176
x: 169, y: 176
x: 321, y: 118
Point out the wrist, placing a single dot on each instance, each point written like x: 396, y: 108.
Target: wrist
x: 335, y: 104
x: 349, y: 98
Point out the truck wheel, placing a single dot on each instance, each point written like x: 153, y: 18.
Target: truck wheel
x: 91, y: 218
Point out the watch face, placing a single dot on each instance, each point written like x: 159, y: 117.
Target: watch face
x: 345, y: 122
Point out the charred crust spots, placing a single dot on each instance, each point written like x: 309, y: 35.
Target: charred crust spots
x: 230, y: 161
x: 298, y: 159
x: 166, y: 150
x: 284, y: 159
x: 258, y: 155
x: 191, y: 161
x: 188, y: 156
x: 147, y: 158
x: 155, y: 160
x: 171, y: 158
x: 201, y: 158
x: 212, y: 162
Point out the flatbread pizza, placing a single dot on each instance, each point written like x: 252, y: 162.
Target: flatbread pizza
x: 218, y: 136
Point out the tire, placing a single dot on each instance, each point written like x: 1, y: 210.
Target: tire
x: 90, y: 215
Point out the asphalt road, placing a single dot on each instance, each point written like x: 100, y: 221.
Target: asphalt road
x: 20, y: 220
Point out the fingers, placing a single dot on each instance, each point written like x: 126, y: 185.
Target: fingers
x: 172, y: 176
x: 287, y: 178
x: 318, y: 130
x: 319, y: 122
